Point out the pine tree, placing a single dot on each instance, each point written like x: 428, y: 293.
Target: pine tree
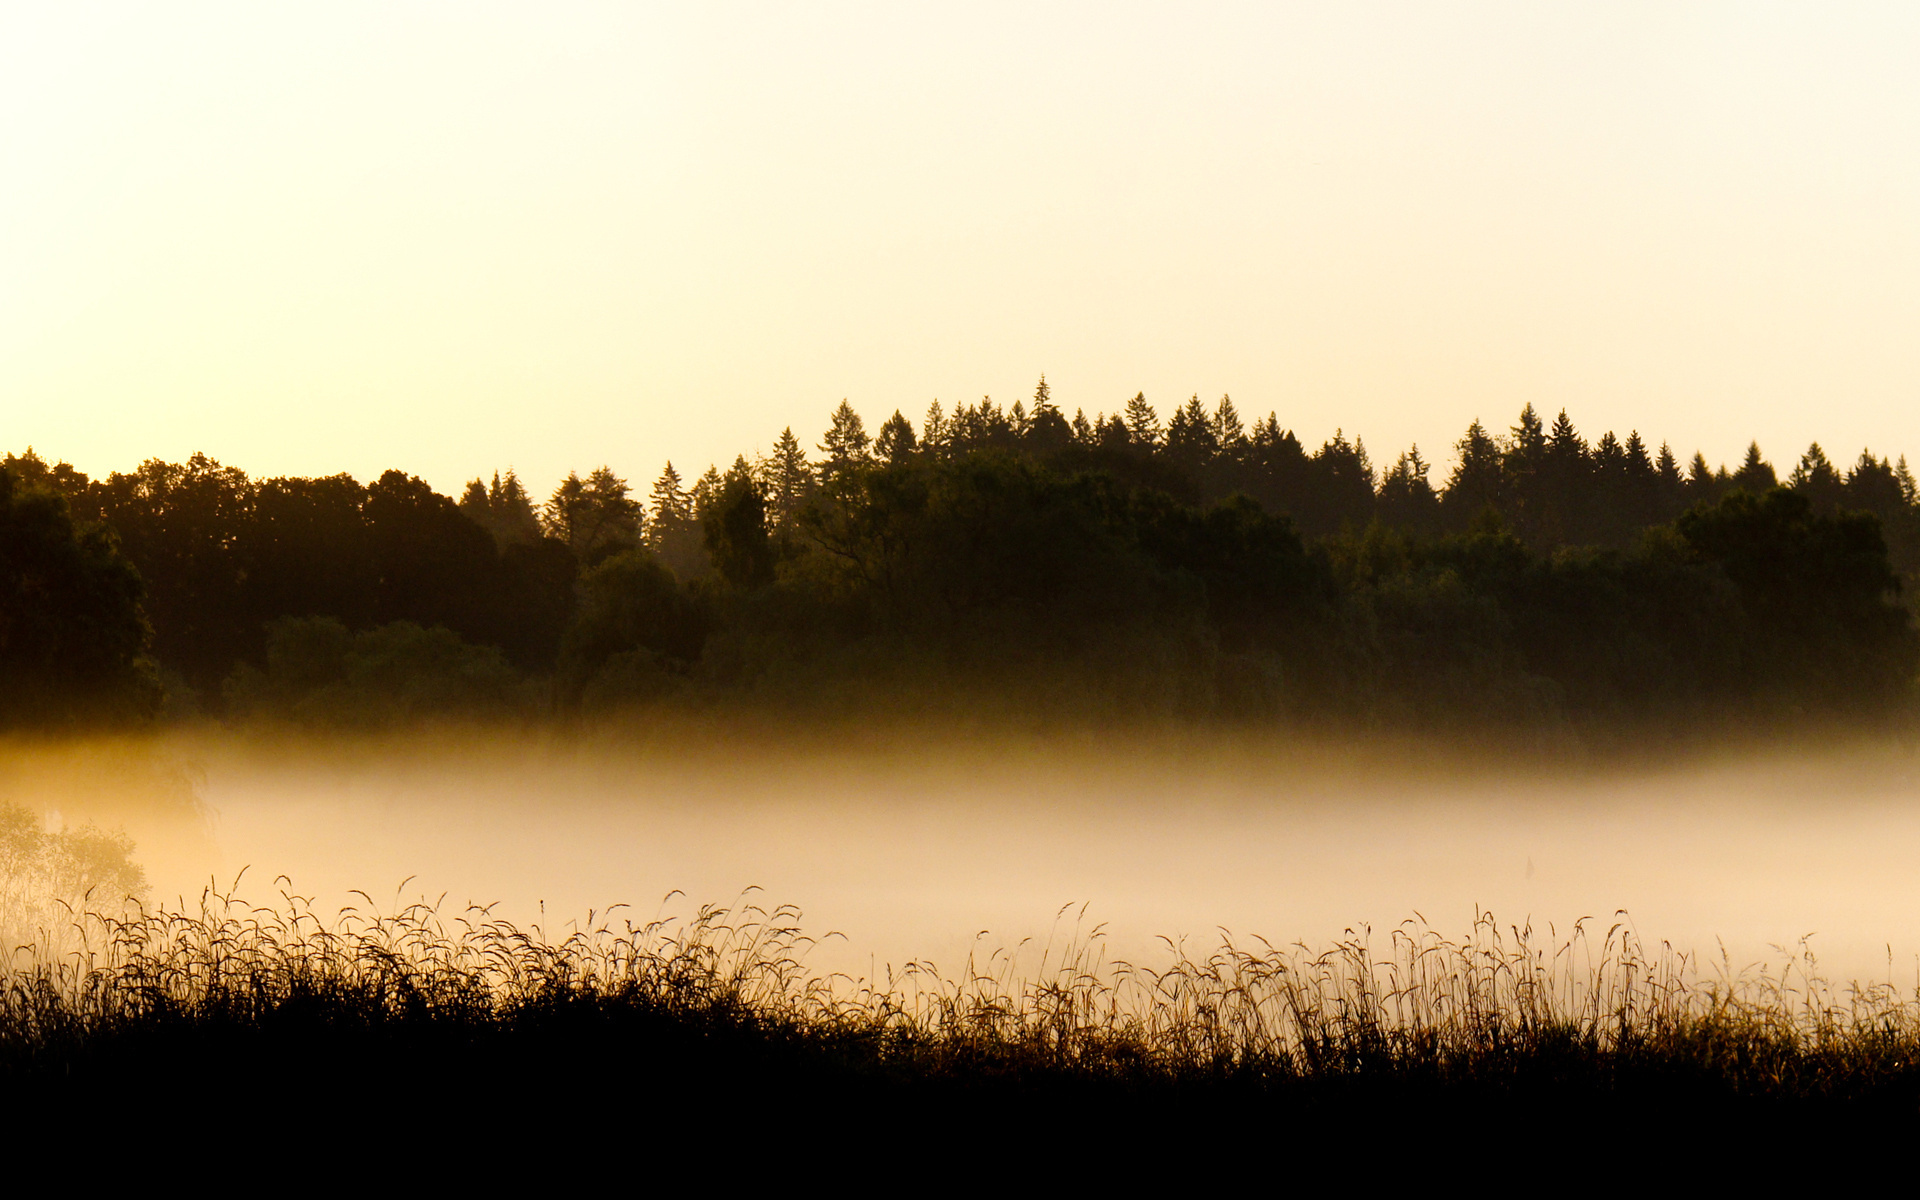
x: 1873, y: 485
x: 787, y: 480
x: 1527, y: 441
x: 1143, y: 424
x: 672, y: 509
x: 1082, y: 428
x: 594, y: 516
x: 1047, y: 429
x: 673, y: 535
x: 1667, y: 466
x: 1190, y: 439
x: 1478, y: 481
x: 1813, y: 465
x: 1407, y: 500
x: 991, y: 426
x: 1756, y: 475
x: 846, y: 444
x: 1043, y: 399
x: 706, y: 490
x: 1228, y: 432
x: 1564, y: 442
x: 1702, y: 483
x: 936, y: 432
x: 895, y: 444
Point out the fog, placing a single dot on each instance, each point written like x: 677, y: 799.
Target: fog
x: 916, y: 849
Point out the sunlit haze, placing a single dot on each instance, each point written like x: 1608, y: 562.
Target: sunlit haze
x: 454, y: 238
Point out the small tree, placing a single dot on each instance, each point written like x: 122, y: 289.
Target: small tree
x: 846, y: 443
x: 1143, y: 424
x: 788, y: 480
x: 895, y: 444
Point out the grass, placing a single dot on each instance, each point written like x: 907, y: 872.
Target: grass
x: 712, y: 1023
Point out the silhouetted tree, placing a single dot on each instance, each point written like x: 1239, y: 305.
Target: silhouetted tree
x: 73, y: 638
x: 674, y: 535
x: 31, y: 472
x: 503, y: 509
x: 846, y: 443
x: 1047, y: 429
x: 1143, y: 424
x: 896, y: 441
x: 1816, y: 479
x: 1191, y: 444
x: 1407, y: 500
x: 788, y: 481
x: 594, y: 516
x: 1478, y: 482
x: 936, y: 433
x: 1822, y: 619
x: 736, y: 532
x: 1755, y: 474
x: 179, y: 524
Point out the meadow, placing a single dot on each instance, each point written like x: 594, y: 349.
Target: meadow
x: 706, y: 1018
x: 713, y: 1018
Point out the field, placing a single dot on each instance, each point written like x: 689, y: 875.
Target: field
x: 710, y: 1022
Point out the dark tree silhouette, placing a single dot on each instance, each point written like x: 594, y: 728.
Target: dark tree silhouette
x: 73, y: 638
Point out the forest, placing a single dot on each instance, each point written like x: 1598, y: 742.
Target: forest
x: 1011, y: 564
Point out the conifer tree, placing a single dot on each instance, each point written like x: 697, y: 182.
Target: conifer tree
x: 990, y: 427
x: 594, y: 516
x: 1478, y: 481
x: 1527, y: 441
x: 787, y: 479
x: 1701, y: 483
x: 1667, y: 465
x: 673, y: 535
x: 1638, y: 463
x: 672, y: 506
x: 1082, y: 428
x: 1407, y: 500
x: 1143, y: 424
x: 1190, y: 438
x: 1756, y: 474
x: 1228, y: 432
x: 706, y: 490
x: 846, y: 444
x: 1047, y: 429
x: 895, y: 444
x: 503, y: 509
x: 936, y: 433
x: 1873, y: 485
x: 1815, y: 478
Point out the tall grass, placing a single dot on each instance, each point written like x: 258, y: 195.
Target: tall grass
x: 720, y: 1004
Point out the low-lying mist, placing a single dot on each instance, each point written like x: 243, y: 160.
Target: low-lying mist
x: 917, y: 848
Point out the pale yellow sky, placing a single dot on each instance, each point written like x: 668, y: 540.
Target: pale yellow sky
x: 456, y: 237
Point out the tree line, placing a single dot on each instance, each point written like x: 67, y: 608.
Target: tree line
x: 1111, y: 566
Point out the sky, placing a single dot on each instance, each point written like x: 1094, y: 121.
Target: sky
x: 454, y: 238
